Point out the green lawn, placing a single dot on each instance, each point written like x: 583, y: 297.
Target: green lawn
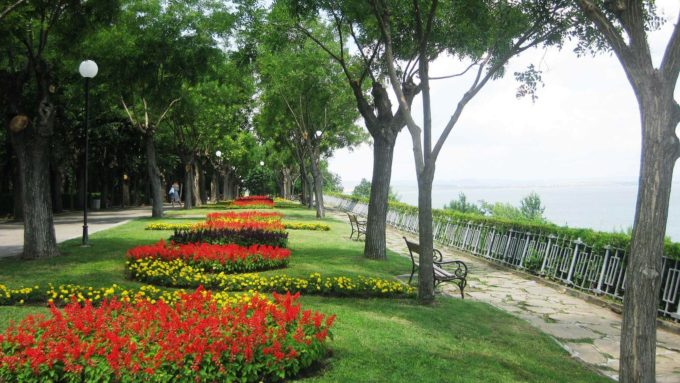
x: 376, y: 340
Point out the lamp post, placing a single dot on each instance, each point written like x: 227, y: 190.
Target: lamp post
x: 88, y: 69
x: 219, y: 169
x: 261, y: 163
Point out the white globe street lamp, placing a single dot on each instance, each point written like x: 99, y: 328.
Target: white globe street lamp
x: 88, y: 69
x: 261, y: 163
x: 318, y: 133
x: 218, y: 153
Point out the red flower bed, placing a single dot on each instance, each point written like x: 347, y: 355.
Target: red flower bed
x: 228, y: 258
x: 194, y: 340
x: 256, y: 200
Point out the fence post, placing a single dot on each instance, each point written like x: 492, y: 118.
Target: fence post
x: 524, y: 252
x: 493, y: 236
x: 547, y: 252
x: 573, y: 261
x: 507, y: 245
x: 598, y: 290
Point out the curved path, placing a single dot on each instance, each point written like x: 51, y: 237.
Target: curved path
x: 589, y: 332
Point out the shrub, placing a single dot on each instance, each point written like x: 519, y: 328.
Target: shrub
x: 230, y: 258
x: 194, y: 339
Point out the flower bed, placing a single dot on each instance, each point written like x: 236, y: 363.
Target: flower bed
x: 286, y: 225
x: 246, y: 216
x: 192, y: 340
x: 241, y: 225
x: 306, y: 226
x: 168, y: 226
x: 62, y: 294
x: 178, y: 273
x: 225, y: 235
x: 230, y: 258
x: 254, y: 201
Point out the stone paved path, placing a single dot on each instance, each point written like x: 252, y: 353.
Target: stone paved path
x: 68, y: 226
x: 589, y: 332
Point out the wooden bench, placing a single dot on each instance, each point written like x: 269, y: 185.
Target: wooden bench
x: 456, y: 273
x: 358, y: 226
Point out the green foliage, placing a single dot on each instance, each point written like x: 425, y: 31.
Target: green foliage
x: 260, y: 180
x: 503, y: 211
x: 331, y: 181
x: 461, y: 205
x: 531, y: 208
x: 363, y: 190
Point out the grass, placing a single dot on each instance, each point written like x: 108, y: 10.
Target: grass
x: 375, y: 340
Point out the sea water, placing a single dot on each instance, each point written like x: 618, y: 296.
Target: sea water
x: 600, y: 205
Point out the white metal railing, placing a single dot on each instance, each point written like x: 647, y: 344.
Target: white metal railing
x: 577, y: 264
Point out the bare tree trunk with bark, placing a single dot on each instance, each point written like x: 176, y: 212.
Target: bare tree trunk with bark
x: 318, y: 188
x: 157, y: 191
x: 32, y: 147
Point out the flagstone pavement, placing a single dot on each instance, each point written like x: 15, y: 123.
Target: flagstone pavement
x: 587, y: 331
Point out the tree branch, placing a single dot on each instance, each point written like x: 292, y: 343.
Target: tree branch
x: 595, y: 14
x: 414, y: 129
x: 455, y: 74
x: 670, y: 64
x: 132, y: 119
x: 10, y: 8
x: 158, y: 122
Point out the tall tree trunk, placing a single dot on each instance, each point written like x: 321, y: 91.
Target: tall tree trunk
x: 213, y: 187
x: 154, y: 176
x: 188, y: 185
x: 383, y: 150
x: 660, y: 150
x: 310, y: 191
x: 196, y: 192
x: 203, y: 190
x: 425, y: 237
x: 32, y: 148
x: 318, y: 188
x: 226, y: 185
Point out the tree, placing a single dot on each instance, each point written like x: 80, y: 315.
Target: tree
x: 163, y: 45
x: 463, y: 206
x: 363, y: 190
x: 489, y: 34
x: 367, y: 80
x: 621, y: 26
x: 32, y: 35
x: 531, y: 208
x: 301, y: 82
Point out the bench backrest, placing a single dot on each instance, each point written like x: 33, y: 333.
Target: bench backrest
x: 415, y: 248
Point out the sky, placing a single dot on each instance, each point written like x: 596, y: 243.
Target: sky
x: 585, y: 124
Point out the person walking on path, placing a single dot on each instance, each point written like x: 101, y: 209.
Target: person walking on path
x: 173, y: 193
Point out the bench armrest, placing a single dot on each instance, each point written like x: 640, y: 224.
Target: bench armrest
x: 460, y: 270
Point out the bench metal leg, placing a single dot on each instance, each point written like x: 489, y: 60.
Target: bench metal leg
x: 413, y: 271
